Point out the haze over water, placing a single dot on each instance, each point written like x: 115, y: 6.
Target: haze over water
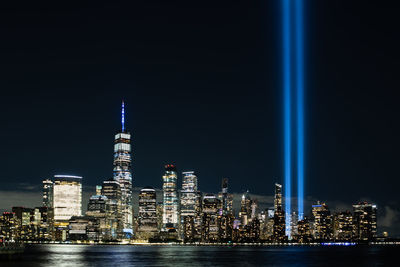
x: 110, y: 255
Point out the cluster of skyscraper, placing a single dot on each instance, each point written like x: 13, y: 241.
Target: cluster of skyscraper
x: 184, y: 214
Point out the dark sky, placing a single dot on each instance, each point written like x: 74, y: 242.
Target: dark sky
x: 202, y: 85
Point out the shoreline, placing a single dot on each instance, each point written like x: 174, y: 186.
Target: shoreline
x: 325, y: 244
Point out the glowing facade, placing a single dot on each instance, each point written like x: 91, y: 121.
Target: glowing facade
x: 67, y: 197
x: 170, y: 200
x: 188, y: 194
x: 122, y: 173
x: 147, y: 210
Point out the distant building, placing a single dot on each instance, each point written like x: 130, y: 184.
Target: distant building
x: 67, y: 197
x: 245, y: 209
x: 112, y: 190
x: 123, y: 175
x: 279, y: 216
x: 48, y: 193
x: 99, y: 209
x: 147, y: 216
x: 188, y: 205
x: 365, y: 221
x: 303, y: 231
x: 226, y: 212
x: 322, y: 222
x: 343, y: 227
x: 211, y: 222
x: 170, y: 200
x: 226, y: 199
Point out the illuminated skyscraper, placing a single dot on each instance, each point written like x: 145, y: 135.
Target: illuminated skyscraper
x: 170, y: 201
x: 122, y: 174
x: 211, y: 222
x: 365, y: 221
x: 188, y: 194
x: 48, y: 193
x: 188, y: 202
x: 343, y: 227
x: 226, y: 199
x: 322, y: 223
x: 245, y: 209
x: 279, y: 215
x: 67, y: 197
x: 147, y: 210
x: 112, y: 190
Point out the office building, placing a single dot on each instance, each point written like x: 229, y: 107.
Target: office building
x: 322, y: 222
x: 147, y: 216
x: 365, y: 221
x: 123, y: 175
x: 170, y: 198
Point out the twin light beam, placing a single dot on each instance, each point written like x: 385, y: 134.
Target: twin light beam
x: 293, y: 96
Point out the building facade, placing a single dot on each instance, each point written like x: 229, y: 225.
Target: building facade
x: 147, y: 216
x: 123, y: 175
x: 170, y: 198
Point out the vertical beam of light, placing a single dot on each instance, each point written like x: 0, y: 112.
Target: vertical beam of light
x: 286, y: 23
x: 300, y: 106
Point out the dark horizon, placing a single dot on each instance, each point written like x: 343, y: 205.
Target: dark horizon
x: 202, y: 88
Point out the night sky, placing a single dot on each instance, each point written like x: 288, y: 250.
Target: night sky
x: 202, y: 83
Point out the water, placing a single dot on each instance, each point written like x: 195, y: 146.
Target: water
x: 110, y: 255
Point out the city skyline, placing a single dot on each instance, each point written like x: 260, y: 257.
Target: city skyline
x: 205, y: 98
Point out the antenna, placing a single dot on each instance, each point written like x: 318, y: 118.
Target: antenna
x: 123, y: 116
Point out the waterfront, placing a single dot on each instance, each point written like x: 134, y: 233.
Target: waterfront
x: 108, y: 255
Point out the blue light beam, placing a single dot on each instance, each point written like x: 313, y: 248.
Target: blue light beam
x: 300, y: 105
x: 287, y: 76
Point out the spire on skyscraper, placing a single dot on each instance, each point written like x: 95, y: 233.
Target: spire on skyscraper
x: 123, y: 116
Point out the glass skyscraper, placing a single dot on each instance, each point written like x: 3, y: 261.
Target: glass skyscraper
x: 122, y: 174
x: 170, y: 201
x: 67, y: 197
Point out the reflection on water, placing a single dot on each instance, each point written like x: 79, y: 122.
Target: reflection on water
x: 104, y: 255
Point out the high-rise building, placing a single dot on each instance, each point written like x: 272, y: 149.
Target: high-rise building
x: 188, y: 194
x: 48, y: 193
x: 98, y: 209
x: 147, y: 216
x: 226, y: 199
x: 188, y: 201
x: 170, y: 200
x: 322, y: 222
x: 211, y: 222
x: 122, y: 174
x: 365, y: 222
x: 279, y: 216
x: 67, y: 197
x: 226, y: 212
x: 343, y: 227
x: 112, y: 190
x: 245, y: 209
x: 303, y: 231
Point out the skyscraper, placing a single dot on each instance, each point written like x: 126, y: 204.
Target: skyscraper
x: 322, y: 228
x: 48, y: 193
x: 122, y: 173
x: 188, y: 194
x: 147, y: 210
x: 365, y: 221
x: 67, y: 197
x: 211, y: 222
x: 226, y: 198
x: 245, y: 209
x: 170, y: 200
x: 279, y: 215
x: 112, y: 190
x: 188, y: 206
